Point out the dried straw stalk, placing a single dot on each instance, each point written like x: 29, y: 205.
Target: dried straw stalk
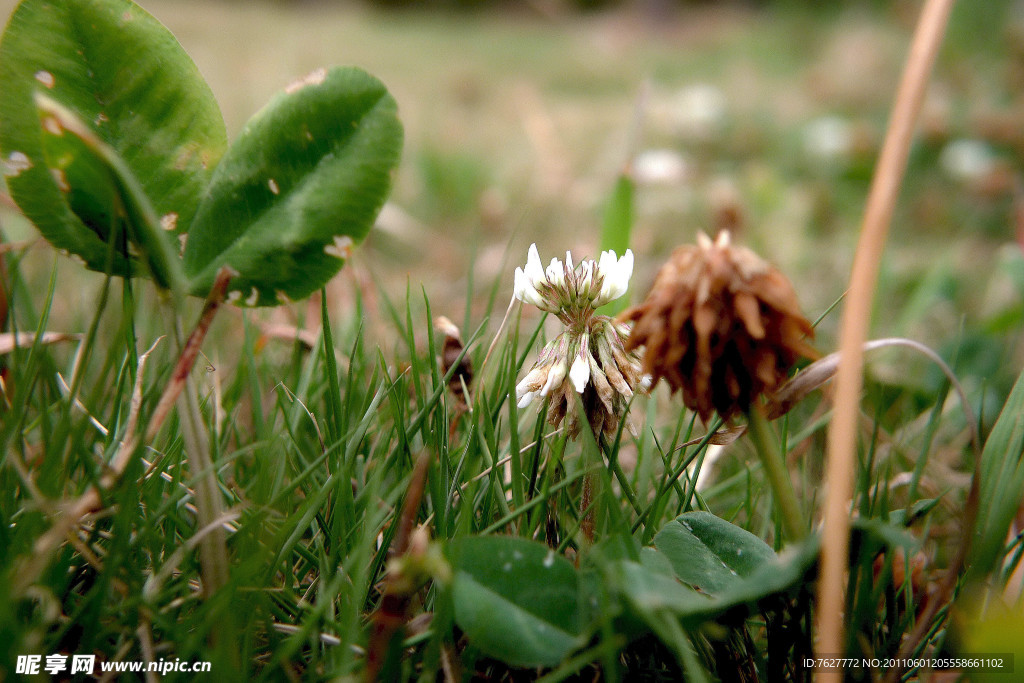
x: 842, y: 435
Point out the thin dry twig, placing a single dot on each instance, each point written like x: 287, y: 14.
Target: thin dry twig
x: 12, y: 340
x: 824, y: 369
x: 842, y: 432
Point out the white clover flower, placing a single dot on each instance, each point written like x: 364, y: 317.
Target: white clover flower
x: 573, y: 292
x: 588, y: 358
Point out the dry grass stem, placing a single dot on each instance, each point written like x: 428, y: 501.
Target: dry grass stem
x: 11, y: 340
x: 182, y: 389
x: 821, y: 371
x: 842, y: 434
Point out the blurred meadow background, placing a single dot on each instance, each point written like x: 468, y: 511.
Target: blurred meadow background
x: 761, y: 117
x: 764, y: 118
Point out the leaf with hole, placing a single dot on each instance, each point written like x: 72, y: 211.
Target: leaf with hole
x: 121, y: 71
x: 298, y: 189
x: 76, y: 153
x: 516, y: 600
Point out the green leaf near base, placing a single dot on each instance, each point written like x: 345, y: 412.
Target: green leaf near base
x: 709, y: 553
x: 517, y: 600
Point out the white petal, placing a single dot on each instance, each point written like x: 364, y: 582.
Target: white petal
x: 556, y: 273
x: 626, y: 267
x: 606, y: 264
x: 609, y: 272
x: 526, y: 399
x: 534, y: 270
x: 555, y: 376
x: 580, y: 373
x: 616, y: 279
x: 526, y: 292
x: 519, y: 289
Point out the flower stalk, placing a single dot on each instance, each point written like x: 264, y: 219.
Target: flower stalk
x: 774, y: 465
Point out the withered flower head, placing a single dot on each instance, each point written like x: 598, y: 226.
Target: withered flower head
x: 450, y: 351
x: 720, y: 324
x: 587, y: 359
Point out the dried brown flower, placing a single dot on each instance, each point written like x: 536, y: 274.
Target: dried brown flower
x: 452, y: 347
x: 720, y: 324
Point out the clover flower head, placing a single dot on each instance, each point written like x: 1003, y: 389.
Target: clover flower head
x: 569, y: 291
x: 588, y: 359
x: 721, y: 325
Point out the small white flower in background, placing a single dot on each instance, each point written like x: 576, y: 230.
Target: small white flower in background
x: 588, y: 358
x: 828, y: 139
x: 660, y: 167
x: 699, y: 111
x: 967, y: 160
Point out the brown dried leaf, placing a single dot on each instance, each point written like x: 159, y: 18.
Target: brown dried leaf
x: 451, y: 349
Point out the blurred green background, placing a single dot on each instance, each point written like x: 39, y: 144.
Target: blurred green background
x: 764, y: 117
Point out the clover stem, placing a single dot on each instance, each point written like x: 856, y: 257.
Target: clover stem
x: 587, y: 509
x: 763, y: 437
x: 213, y: 551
